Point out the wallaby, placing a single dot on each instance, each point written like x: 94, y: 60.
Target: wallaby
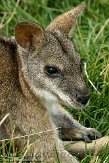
x: 39, y: 72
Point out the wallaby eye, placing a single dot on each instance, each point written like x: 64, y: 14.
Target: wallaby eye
x: 52, y: 71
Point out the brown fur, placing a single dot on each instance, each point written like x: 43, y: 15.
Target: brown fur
x: 34, y: 99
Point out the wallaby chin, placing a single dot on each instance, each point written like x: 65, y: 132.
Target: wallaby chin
x: 57, y: 98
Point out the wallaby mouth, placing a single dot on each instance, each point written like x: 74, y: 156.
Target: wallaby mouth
x: 78, y: 100
x: 83, y: 99
x: 78, y: 103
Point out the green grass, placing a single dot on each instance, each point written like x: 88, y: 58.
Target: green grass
x: 91, y: 37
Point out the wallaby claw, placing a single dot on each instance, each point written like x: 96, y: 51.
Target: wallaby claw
x: 83, y: 133
x: 89, y: 134
x: 86, y: 138
x: 93, y: 134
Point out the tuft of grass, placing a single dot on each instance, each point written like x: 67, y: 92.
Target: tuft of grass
x: 91, y: 37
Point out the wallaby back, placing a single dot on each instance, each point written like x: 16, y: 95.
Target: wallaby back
x: 8, y: 69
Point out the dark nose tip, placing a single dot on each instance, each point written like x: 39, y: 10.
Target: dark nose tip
x: 83, y: 99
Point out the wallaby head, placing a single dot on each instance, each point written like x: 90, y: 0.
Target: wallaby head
x: 49, y: 62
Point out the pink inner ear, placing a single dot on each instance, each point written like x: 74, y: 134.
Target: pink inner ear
x: 28, y: 34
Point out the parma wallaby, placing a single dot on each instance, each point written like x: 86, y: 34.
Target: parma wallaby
x: 39, y: 72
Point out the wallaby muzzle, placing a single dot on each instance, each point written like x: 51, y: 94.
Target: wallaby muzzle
x: 83, y: 99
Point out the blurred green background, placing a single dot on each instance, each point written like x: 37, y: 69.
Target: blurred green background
x: 91, y: 37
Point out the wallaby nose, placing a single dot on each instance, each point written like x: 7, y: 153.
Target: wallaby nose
x: 83, y: 99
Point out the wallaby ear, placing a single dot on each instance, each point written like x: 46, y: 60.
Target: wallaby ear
x: 28, y: 35
x: 66, y: 21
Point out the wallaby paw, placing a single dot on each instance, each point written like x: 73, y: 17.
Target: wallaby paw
x: 88, y: 134
x: 65, y: 157
x: 92, y: 133
x: 83, y: 133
